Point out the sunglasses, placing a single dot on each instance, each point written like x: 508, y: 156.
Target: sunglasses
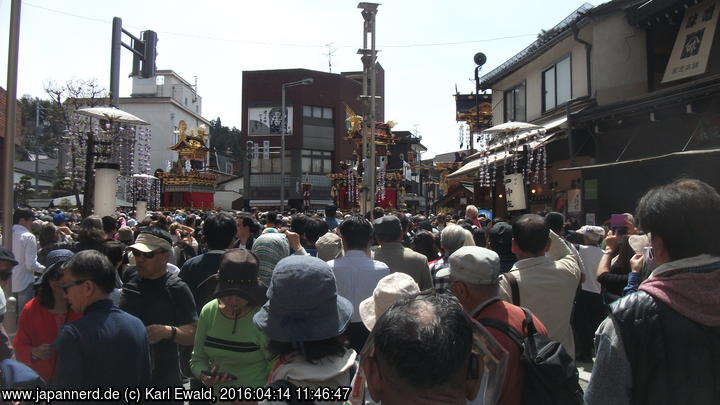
x: 66, y: 287
x: 146, y: 255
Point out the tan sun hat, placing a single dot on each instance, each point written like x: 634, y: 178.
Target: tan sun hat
x: 389, y: 290
x: 329, y: 247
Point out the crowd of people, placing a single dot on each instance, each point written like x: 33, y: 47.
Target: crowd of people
x: 387, y: 304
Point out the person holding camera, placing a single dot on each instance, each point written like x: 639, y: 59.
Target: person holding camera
x: 659, y: 345
x: 229, y: 349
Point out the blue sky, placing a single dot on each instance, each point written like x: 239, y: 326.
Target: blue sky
x: 426, y: 47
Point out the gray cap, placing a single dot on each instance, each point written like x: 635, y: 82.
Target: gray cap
x: 387, y: 224
x: 474, y: 265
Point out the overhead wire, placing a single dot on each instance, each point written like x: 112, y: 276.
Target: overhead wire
x: 265, y: 43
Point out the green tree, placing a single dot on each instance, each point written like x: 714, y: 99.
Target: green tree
x: 62, y: 186
x: 225, y: 140
x: 24, y: 190
x: 45, y: 138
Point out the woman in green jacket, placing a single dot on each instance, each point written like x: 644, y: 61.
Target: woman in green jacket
x: 229, y: 349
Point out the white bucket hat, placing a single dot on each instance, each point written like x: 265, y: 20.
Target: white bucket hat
x: 389, y: 290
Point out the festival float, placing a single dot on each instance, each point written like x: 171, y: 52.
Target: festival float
x: 187, y: 185
x: 348, y: 183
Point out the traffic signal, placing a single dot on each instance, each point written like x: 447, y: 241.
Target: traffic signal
x: 249, y: 150
x: 149, y: 38
x: 139, y: 47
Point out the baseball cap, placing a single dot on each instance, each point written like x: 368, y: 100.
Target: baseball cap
x: 474, y: 265
x: 594, y: 232
x: 59, y: 219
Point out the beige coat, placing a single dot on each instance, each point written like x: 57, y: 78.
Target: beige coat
x: 547, y: 287
x: 401, y: 259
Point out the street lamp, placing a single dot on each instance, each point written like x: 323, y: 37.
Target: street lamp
x: 480, y: 60
x: 303, y: 82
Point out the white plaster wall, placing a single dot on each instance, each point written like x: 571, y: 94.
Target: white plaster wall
x: 619, y: 60
x: 163, y: 118
x: 224, y: 199
x: 531, y: 73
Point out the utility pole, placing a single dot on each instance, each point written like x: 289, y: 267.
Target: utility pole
x: 369, y: 59
x: 10, y: 107
x: 303, y: 82
x: 37, y: 144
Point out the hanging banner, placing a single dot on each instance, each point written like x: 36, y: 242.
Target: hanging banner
x: 268, y: 121
x: 266, y: 149
x: 390, y: 199
x: 574, y: 203
x: 515, y: 192
x: 691, y: 51
x: 467, y: 108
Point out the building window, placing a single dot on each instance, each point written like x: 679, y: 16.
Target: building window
x: 312, y: 111
x: 316, y: 162
x: 557, y: 85
x: 515, y: 103
x: 271, y: 165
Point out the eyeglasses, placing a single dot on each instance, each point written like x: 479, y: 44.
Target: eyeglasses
x: 66, y: 287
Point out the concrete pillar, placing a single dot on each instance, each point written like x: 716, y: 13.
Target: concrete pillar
x: 106, y: 175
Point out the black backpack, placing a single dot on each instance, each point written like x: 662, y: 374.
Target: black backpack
x: 551, y: 376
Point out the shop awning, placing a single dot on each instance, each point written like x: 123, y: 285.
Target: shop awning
x: 498, y: 156
x: 627, y: 162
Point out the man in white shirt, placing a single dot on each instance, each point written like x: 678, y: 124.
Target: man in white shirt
x: 25, y: 250
x: 356, y: 274
x: 589, y: 308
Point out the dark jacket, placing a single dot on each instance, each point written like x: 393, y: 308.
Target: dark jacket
x: 673, y: 359
x: 107, y: 347
x: 198, y: 269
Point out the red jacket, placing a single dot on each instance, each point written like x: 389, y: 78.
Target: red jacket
x: 37, y: 326
x: 514, y: 316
